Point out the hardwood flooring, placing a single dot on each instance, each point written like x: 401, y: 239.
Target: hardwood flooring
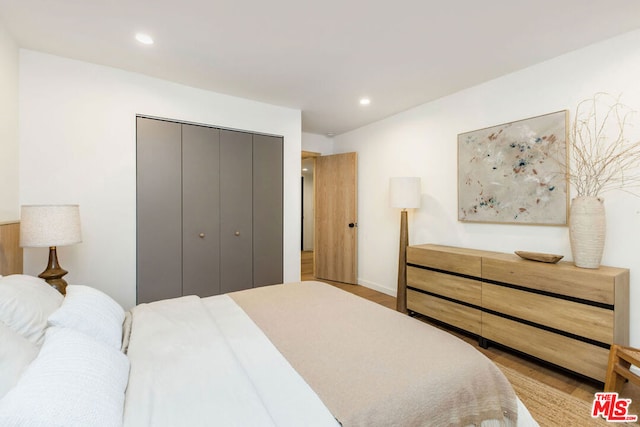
x: 306, y: 273
x: 579, y: 387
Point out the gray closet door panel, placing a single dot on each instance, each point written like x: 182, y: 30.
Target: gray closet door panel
x: 200, y: 211
x: 267, y: 210
x: 158, y: 204
x: 236, y: 264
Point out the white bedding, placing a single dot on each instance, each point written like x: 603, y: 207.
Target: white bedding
x: 236, y: 377
x: 206, y: 362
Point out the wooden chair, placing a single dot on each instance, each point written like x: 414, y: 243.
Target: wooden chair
x: 620, y: 360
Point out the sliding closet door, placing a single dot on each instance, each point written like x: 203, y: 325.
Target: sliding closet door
x: 236, y: 211
x: 200, y: 210
x: 267, y: 210
x: 159, y: 210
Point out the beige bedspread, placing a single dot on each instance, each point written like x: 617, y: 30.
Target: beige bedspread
x: 372, y: 366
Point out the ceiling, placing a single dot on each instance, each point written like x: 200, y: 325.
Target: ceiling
x: 320, y: 56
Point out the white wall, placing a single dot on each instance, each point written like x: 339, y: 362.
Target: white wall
x: 423, y: 142
x: 9, y: 207
x: 317, y: 143
x: 77, y: 145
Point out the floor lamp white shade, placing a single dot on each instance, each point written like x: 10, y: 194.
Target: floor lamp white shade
x: 404, y: 192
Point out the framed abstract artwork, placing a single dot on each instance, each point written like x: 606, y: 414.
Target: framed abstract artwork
x: 515, y: 172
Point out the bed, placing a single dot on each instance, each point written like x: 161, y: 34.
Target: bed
x: 284, y: 355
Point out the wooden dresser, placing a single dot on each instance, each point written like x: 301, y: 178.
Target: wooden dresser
x: 558, y: 313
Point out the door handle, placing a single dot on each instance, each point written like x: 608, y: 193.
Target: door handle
x: 353, y: 224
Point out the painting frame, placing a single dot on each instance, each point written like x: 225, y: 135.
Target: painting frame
x: 515, y: 172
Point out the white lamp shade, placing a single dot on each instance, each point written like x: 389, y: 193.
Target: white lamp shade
x: 404, y: 192
x: 49, y: 225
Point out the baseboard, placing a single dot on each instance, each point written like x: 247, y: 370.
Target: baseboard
x: 377, y: 287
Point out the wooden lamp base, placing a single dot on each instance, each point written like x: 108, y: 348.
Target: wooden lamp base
x: 53, y: 273
x: 401, y: 297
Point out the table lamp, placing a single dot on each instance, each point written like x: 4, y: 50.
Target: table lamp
x: 404, y: 193
x: 50, y: 226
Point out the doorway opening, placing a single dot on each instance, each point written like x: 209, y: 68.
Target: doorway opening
x: 307, y: 212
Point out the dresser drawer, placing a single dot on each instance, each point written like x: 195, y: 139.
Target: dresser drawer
x: 562, y: 278
x: 578, y: 356
x: 457, y: 315
x: 456, y: 287
x: 587, y: 321
x: 455, y: 260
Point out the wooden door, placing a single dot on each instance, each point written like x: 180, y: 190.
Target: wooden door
x: 336, y: 218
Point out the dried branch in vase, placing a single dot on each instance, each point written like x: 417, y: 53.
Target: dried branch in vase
x: 602, y: 159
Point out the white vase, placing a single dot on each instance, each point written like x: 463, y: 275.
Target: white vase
x: 587, y: 229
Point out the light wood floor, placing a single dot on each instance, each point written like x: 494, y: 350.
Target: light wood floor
x: 576, y: 386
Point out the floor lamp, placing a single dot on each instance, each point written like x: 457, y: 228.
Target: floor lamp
x: 50, y: 226
x: 404, y: 193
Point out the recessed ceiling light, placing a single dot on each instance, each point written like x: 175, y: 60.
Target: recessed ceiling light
x: 144, y: 38
x: 365, y: 101
x: 305, y: 170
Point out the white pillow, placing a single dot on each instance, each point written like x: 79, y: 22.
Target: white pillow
x: 92, y: 312
x: 25, y: 304
x: 16, y: 352
x: 74, y: 381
